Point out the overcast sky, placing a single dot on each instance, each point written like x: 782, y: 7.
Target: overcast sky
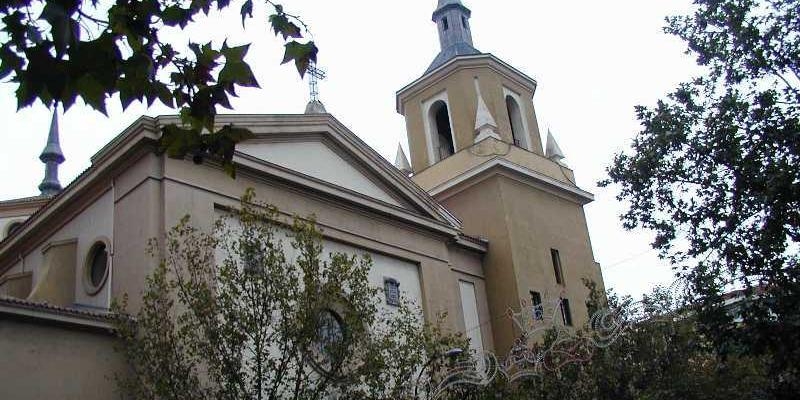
x: 593, y: 61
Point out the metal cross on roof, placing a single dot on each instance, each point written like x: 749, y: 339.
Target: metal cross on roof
x: 314, y: 75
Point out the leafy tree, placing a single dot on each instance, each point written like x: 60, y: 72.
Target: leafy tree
x: 59, y: 50
x: 236, y: 314
x: 660, y: 355
x: 715, y: 173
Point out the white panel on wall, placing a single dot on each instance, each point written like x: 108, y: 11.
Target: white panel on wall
x: 319, y: 161
x: 469, y: 306
x: 404, y: 272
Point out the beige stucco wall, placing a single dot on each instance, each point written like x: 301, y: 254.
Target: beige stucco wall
x: 151, y: 193
x: 16, y: 211
x: 347, y: 224
x: 468, y: 159
x: 58, y: 269
x: 93, y: 223
x: 542, y: 222
x: 522, y: 202
x: 522, y: 224
x: 483, y: 215
x: 462, y: 105
x: 16, y: 284
x: 49, y: 362
x: 138, y: 211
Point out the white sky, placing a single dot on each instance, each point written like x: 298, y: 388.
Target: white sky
x: 593, y: 61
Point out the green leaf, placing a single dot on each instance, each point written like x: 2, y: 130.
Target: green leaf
x: 238, y: 73
x: 164, y: 94
x: 301, y: 53
x: 9, y: 61
x: 92, y: 93
x: 235, y: 54
x: 176, y: 16
x: 16, y: 28
x: 247, y: 10
x: 282, y: 26
x: 236, y: 134
x: 64, y: 30
x: 177, y: 142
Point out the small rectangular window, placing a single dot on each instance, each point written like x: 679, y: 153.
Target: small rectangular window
x: 536, y: 301
x: 464, y: 22
x: 444, y: 23
x: 391, y: 289
x: 566, y: 314
x: 559, y: 273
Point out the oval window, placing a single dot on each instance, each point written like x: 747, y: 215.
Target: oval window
x: 326, y: 349
x: 97, y: 267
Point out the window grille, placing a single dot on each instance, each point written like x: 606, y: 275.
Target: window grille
x: 391, y: 288
x: 566, y: 314
x: 538, y: 310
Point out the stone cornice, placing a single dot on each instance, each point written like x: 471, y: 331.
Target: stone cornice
x: 518, y: 172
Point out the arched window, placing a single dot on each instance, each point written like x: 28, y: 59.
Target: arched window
x: 515, y: 118
x: 443, y: 135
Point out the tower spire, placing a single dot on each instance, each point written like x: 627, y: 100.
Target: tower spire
x: 51, y: 156
x: 552, y: 151
x: 485, y: 126
x: 401, y: 161
x: 455, y: 37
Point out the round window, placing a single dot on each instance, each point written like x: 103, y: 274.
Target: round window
x: 96, y: 268
x: 326, y: 349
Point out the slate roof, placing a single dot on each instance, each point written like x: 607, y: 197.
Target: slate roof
x: 457, y: 49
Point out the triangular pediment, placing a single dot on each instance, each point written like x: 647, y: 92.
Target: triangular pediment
x: 322, y: 154
x: 320, y: 160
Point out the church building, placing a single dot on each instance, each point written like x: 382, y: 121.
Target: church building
x: 482, y: 219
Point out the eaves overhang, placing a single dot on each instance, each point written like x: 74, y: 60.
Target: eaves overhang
x: 48, y: 314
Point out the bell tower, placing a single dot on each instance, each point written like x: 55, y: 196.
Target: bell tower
x: 465, y: 96
x: 475, y: 146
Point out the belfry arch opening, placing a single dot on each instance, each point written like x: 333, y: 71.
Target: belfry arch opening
x: 442, y: 132
x: 518, y: 134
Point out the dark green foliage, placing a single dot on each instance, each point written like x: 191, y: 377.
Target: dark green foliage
x: 661, y: 355
x: 234, y: 314
x: 59, y: 50
x: 715, y: 173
